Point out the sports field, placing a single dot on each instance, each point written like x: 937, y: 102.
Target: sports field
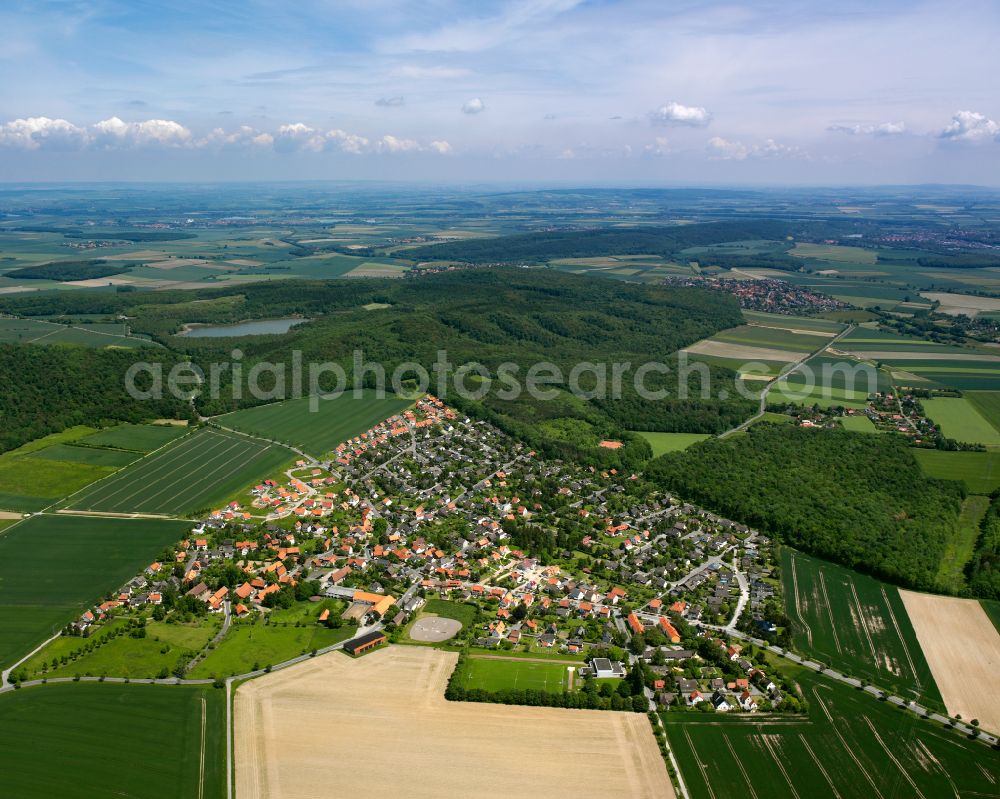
x: 498, y: 674
x: 671, y: 442
x: 393, y: 700
x: 190, y: 475
x: 960, y: 419
x: 855, y: 624
x: 334, y: 421
x: 104, y: 740
x: 980, y: 471
x: 850, y: 745
x: 52, y: 567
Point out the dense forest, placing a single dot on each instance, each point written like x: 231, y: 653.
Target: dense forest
x: 665, y: 241
x: 490, y: 317
x: 857, y: 499
x: 70, y: 270
x: 983, y: 571
x: 45, y: 389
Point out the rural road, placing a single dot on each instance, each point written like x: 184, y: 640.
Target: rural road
x: 855, y: 683
x: 784, y: 373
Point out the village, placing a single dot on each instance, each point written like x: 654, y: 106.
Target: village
x: 553, y: 560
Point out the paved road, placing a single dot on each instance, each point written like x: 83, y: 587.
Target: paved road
x: 784, y: 373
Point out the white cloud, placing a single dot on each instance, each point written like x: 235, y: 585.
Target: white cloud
x: 114, y: 132
x: 473, y: 106
x: 391, y: 144
x: 871, y: 129
x: 41, y: 132
x: 346, y: 142
x: 677, y: 114
x: 244, y: 136
x: 659, y: 147
x: 391, y: 102
x: 970, y: 126
x: 728, y: 150
x: 441, y: 147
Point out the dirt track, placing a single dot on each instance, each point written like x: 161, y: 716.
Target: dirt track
x: 380, y: 726
x: 962, y: 647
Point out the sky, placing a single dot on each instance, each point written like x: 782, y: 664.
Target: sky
x: 666, y: 92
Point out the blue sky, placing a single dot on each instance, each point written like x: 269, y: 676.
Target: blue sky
x: 674, y: 91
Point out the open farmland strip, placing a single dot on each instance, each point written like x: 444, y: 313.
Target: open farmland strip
x: 776, y: 756
x: 864, y: 624
x: 701, y: 766
x: 126, y: 477
x: 847, y: 747
x: 902, y: 640
x: 243, y: 455
x: 819, y: 765
x: 893, y: 758
x: 829, y: 613
x: 739, y: 764
x: 798, y: 602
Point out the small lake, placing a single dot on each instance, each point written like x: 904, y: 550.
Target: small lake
x: 258, y: 327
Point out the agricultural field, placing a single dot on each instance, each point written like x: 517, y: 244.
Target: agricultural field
x: 980, y: 471
x: 810, y: 324
x: 855, y: 624
x: 920, y: 363
x: 317, y: 432
x: 135, y: 437
x: 960, y: 419
x: 671, y: 442
x: 851, y: 745
x: 190, y: 475
x: 38, y: 331
x: 963, y: 653
x: 253, y: 645
x: 498, y: 674
x: 165, y: 742
x: 987, y: 403
x: 83, y: 558
x: 395, y: 697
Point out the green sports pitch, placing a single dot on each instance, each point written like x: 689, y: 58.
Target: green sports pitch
x: 315, y: 431
x: 498, y: 675
x: 188, y: 476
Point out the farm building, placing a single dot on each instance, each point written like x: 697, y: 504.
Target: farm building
x: 363, y: 643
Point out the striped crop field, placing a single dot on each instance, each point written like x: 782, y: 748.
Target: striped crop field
x: 188, y: 476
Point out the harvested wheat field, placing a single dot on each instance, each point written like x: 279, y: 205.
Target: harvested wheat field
x: 962, y: 647
x: 379, y: 726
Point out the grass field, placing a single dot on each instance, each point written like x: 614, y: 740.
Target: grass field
x: 992, y: 608
x: 250, y: 645
x: 92, y: 739
x: 980, y: 471
x: 850, y: 745
x: 136, y: 437
x: 53, y: 567
x: 671, y: 442
x: 459, y: 611
x: 191, y: 474
x: 499, y: 675
x: 960, y: 419
x: 960, y: 548
x: 855, y: 624
x: 125, y: 656
x: 334, y: 421
x: 987, y: 403
x: 858, y: 423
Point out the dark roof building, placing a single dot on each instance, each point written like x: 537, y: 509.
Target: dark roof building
x: 364, y: 642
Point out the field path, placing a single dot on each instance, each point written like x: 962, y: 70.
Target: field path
x: 785, y: 372
x: 798, y: 603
